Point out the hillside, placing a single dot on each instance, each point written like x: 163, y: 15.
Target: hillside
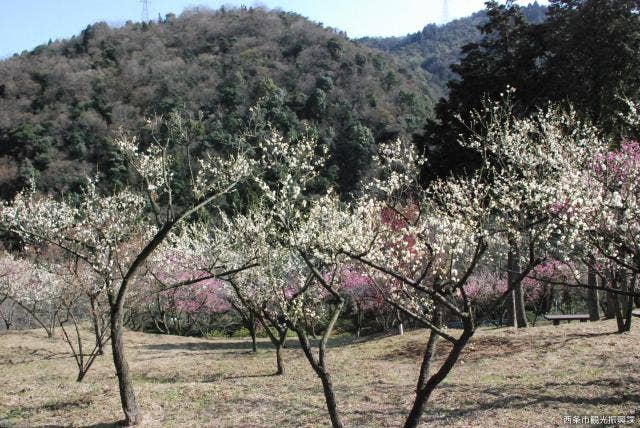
x: 505, y: 378
x: 436, y: 47
x: 61, y: 102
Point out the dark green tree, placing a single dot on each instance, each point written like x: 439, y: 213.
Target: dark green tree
x: 507, y: 55
x: 593, y: 56
x: 586, y: 54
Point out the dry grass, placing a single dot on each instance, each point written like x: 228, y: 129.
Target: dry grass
x: 505, y: 378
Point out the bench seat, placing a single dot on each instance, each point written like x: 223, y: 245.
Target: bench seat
x: 567, y: 317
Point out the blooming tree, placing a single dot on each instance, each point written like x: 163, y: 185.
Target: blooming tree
x: 612, y: 233
x: 33, y: 288
x: 47, y: 284
x: 112, y: 233
x: 522, y: 195
x: 300, y: 274
x: 187, y: 273
x: 536, y: 167
x: 362, y: 296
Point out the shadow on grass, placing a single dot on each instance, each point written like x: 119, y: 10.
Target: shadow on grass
x: 211, y: 378
x: 51, y: 406
x: 120, y: 423
x: 32, y: 356
x: 245, y: 345
x: 515, y: 397
x: 487, y: 347
x: 236, y: 345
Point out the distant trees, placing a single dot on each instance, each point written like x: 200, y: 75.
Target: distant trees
x: 436, y: 47
x: 33, y: 289
x: 62, y: 103
x: 585, y: 54
x: 592, y: 57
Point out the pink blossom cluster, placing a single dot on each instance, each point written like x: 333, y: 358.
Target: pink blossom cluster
x: 619, y: 166
x: 207, y: 296
x: 554, y: 271
x: 360, y: 289
x: 485, y: 287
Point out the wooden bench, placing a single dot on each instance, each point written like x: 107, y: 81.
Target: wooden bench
x: 636, y: 312
x: 567, y: 317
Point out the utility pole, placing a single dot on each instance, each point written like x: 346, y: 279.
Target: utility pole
x: 145, y: 10
x: 445, y: 12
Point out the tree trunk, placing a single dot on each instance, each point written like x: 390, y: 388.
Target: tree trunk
x: 430, y: 350
x: 358, y: 319
x: 618, y: 301
x: 628, y: 304
x: 521, y: 312
x: 319, y: 364
x: 611, y: 298
x: 279, y: 360
x: 96, y: 327
x: 519, y: 315
x: 618, y: 313
x: 511, y: 309
x: 422, y: 396
x: 593, y: 297
x: 252, y: 332
x: 125, y: 382
x: 400, y: 323
x: 323, y: 374
x: 330, y: 398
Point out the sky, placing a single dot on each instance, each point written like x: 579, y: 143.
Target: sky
x: 25, y: 24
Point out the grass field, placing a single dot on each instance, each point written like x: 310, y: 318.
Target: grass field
x: 506, y: 378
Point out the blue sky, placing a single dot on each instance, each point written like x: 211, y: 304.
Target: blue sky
x: 24, y: 24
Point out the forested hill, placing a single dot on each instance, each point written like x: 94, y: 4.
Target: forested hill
x: 435, y: 48
x: 61, y: 102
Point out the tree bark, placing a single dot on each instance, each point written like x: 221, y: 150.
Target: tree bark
x: 96, y: 326
x: 611, y: 298
x: 319, y: 364
x: 519, y: 315
x: 277, y: 342
x: 330, y: 398
x: 252, y: 332
x: 628, y: 305
x: 125, y: 381
x: 430, y: 351
x: 279, y: 360
x: 400, y: 324
x: 618, y: 301
x: 323, y: 374
x: 422, y: 396
x: 593, y: 297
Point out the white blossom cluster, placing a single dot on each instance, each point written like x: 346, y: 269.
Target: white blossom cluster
x: 27, y: 282
x: 102, y: 231
x: 151, y: 164
x: 549, y: 181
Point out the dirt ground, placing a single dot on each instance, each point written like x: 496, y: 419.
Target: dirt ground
x: 506, y: 378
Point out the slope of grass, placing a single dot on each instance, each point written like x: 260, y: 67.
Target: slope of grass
x: 505, y: 378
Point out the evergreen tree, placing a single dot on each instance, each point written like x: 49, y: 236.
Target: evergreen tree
x: 593, y: 56
x: 586, y: 54
x: 507, y: 55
